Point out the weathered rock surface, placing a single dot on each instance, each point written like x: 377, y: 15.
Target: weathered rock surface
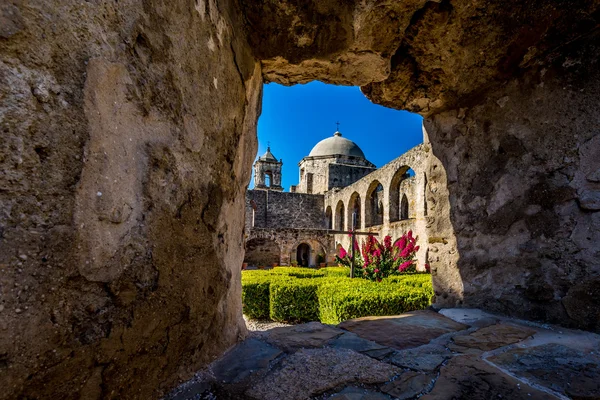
x: 127, y: 137
x: 404, y: 331
x: 312, y: 371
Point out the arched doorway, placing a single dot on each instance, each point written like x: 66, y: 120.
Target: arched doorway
x: 303, y: 254
x: 329, y: 218
x: 339, y: 216
x: 354, y: 207
x: 403, y: 173
x: 374, y: 206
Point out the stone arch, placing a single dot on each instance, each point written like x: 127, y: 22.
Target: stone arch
x: 354, y: 206
x: 401, y: 174
x: 316, y: 248
x: 339, y: 216
x: 262, y: 252
x: 329, y: 218
x: 374, y: 204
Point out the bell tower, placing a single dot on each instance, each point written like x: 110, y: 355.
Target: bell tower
x: 267, y: 172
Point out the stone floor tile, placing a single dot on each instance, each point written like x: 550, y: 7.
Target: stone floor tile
x: 571, y: 372
x: 243, y: 360
x: 423, y: 358
x: 494, y: 336
x: 404, y: 331
x: 309, y: 372
x: 467, y: 377
x: 408, y: 385
x: 356, y: 393
x: 309, y: 335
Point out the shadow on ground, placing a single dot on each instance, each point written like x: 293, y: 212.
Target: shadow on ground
x: 453, y: 354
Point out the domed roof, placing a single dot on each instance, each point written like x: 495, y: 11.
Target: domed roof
x: 336, y: 145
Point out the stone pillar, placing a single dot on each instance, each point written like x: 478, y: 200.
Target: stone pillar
x: 121, y: 228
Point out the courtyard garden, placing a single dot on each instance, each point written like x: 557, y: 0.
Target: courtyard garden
x: 329, y: 295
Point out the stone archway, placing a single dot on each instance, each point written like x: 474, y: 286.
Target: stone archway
x: 511, y: 120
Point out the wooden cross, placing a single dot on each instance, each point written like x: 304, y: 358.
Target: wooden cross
x: 353, y: 234
x: 337, y: 124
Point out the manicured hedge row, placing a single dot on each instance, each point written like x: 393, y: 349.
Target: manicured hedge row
x: 301, y: 294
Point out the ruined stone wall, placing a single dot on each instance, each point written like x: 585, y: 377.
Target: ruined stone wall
x: 391, y: 177
x: 127, y: 137
x: 284, y: 210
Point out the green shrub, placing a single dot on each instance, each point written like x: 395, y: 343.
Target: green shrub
x: 300, y: 294
x: 340, y: 302
x: 294, y: 300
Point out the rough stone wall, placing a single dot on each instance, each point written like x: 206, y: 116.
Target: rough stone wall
x: 285, y: 210
x: 318, y: 168
x: 128, y: 131
x: 527, y: 228
x: 342, y: 175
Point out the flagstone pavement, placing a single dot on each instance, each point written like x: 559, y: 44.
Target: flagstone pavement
x: 451, y: 354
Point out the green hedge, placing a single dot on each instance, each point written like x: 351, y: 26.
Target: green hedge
x: 329, y: 295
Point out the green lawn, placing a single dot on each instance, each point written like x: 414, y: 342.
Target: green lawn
x: 288, y: 294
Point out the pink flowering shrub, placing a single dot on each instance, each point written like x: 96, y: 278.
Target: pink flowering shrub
x: 376, y: 260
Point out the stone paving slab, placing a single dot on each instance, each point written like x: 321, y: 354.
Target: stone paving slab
x: 493, y: 337
x: 246, y: 358
x: 433, y: 357
x: 352, y: 341
x: 309, y: 335
x: 356, y: 393
x: 565, y: 370
x: 409, y: 385
x: 467, y: 377
x: 309, y: 372
x: 424, y: 358
x: 404, y: 331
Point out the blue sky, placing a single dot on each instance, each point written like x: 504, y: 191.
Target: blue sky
x: 296, y: 118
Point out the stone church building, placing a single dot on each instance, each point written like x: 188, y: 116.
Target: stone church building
x: 337, y: 183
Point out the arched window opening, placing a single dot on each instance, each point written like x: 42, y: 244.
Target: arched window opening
x: 329, y: 217
x: 401, y: 182
x: 404, y: 208
x: 268, y: 178
x: 339, y: 216
x: 374, y: 209
x: 354, y: 207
